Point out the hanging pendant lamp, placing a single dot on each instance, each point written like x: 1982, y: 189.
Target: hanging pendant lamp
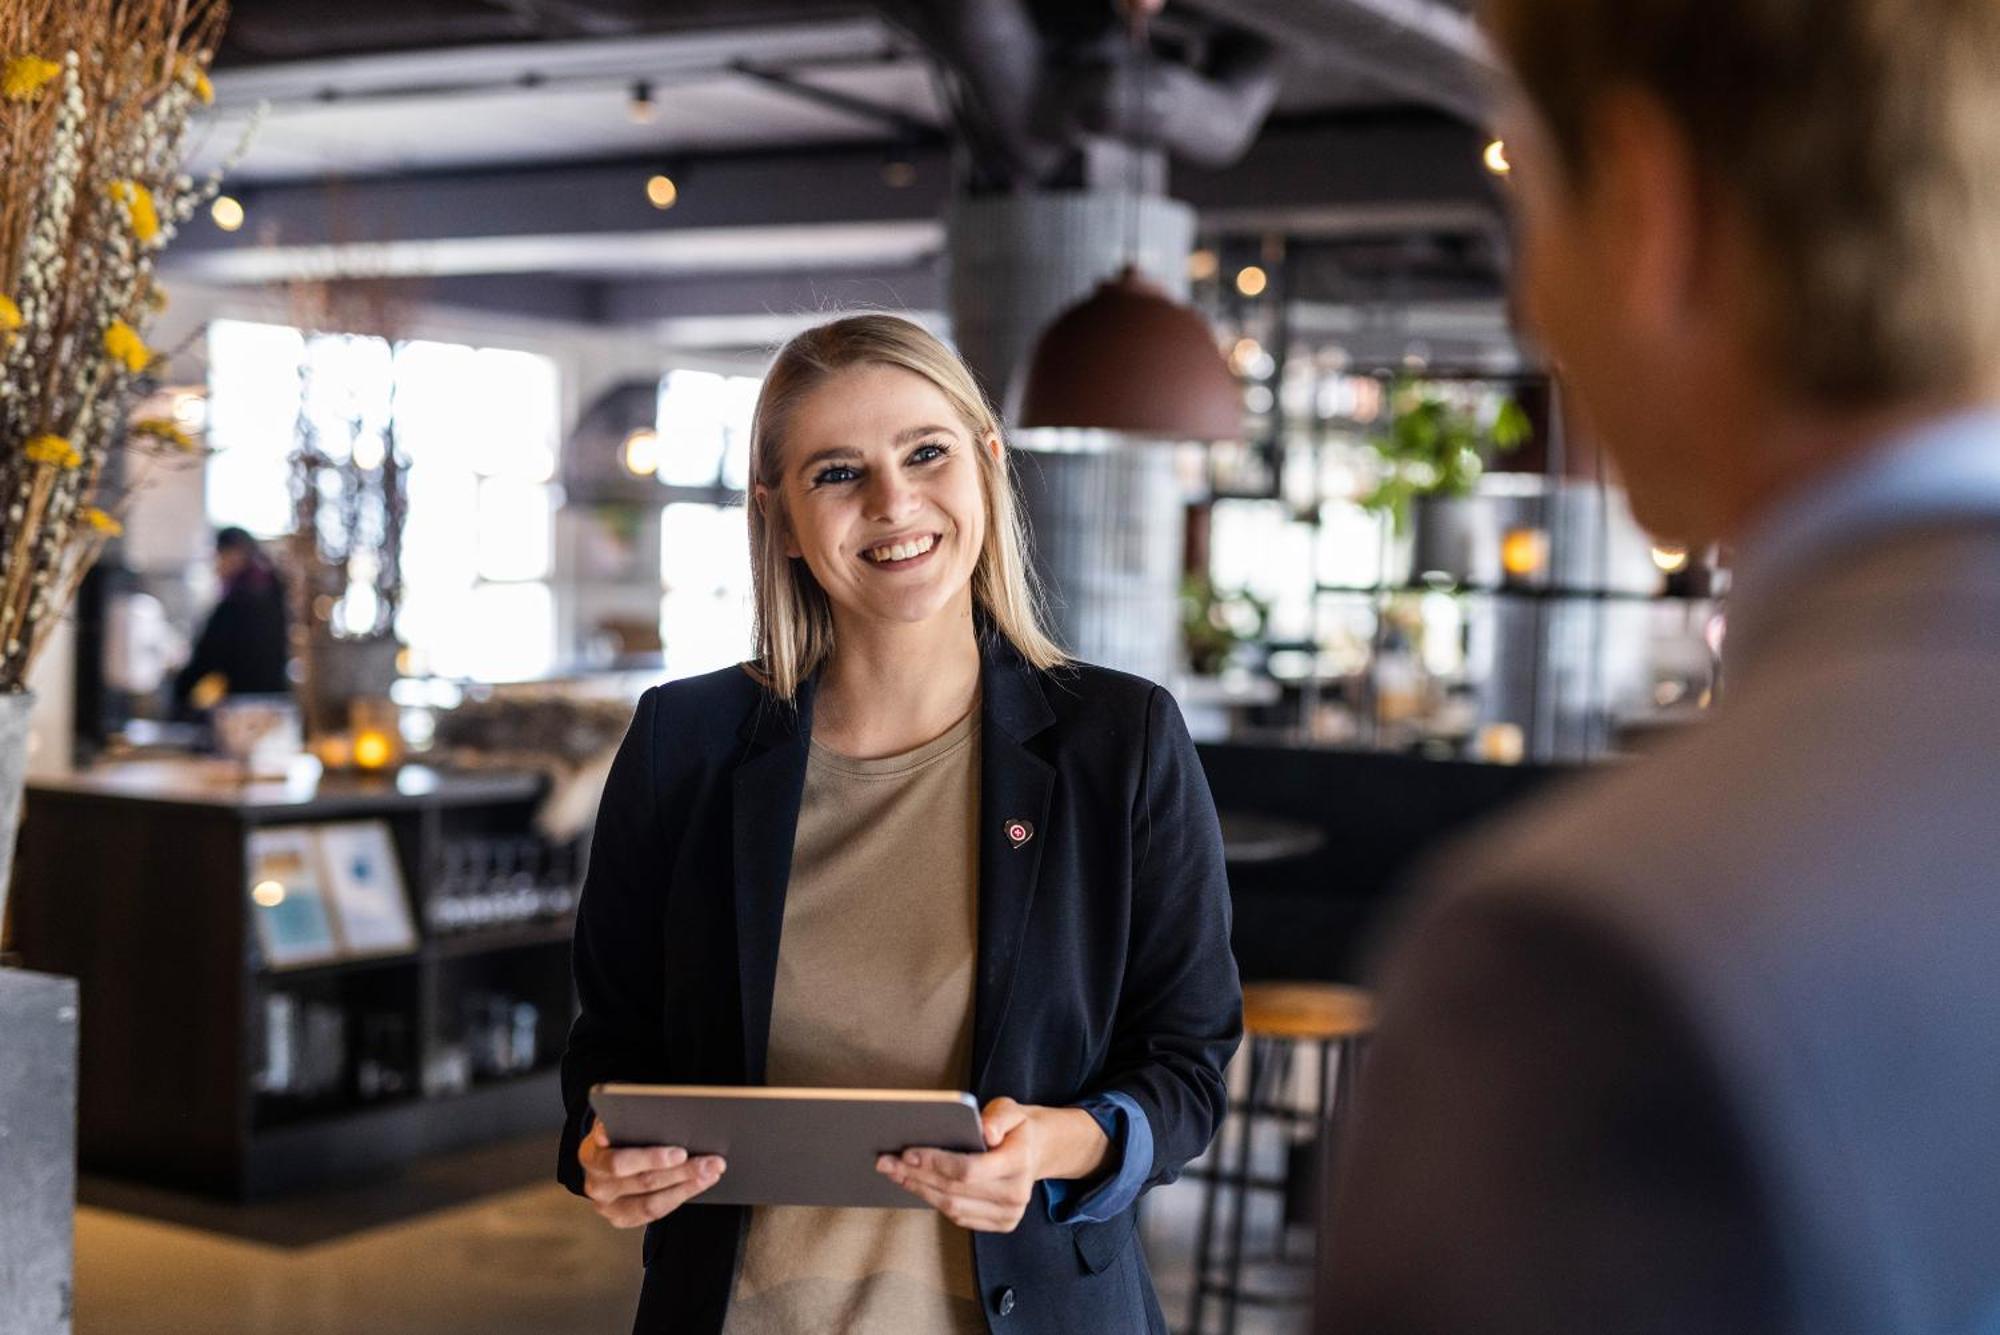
x: 1129, y: 358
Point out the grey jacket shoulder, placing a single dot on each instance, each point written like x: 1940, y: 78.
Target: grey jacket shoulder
x: 1808, y: 881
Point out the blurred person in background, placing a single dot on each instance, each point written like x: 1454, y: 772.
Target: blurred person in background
x: 1712, y: 1044
x: 244, y: 647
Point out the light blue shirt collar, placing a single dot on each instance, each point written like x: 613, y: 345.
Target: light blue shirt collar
x: 1944, y: 471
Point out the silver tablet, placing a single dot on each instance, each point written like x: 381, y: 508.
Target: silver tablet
x: 793, y: 1146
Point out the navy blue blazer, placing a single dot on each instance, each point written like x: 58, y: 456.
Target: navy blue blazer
x: 1104, y: 961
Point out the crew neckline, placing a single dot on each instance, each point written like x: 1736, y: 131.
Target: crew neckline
x: 952, y: 738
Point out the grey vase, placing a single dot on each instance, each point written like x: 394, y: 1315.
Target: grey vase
x: 15, y: 708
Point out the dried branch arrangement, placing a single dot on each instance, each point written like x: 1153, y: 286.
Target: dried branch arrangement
x: 96, y: 103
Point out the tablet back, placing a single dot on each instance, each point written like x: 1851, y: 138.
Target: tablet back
x: 793, y: 1146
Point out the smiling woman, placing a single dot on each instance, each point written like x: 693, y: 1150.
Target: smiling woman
x: 912, y: 846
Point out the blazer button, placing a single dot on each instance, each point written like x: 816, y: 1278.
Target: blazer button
x: 1003, y: 1302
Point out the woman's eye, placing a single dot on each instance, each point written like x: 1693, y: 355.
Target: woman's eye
x: 839, y: 473
x: 929, y: 453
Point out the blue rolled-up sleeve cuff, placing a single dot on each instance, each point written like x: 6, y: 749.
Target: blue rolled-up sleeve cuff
x: 1126, y: 1164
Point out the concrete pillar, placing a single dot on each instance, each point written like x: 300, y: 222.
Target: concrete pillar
x: 38, y: 1028
x: 1105, y: 512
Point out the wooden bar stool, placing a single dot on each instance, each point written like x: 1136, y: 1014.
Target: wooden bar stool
x: 1279, y: 1021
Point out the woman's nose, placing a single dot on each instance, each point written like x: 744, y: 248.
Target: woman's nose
x: 890, y: 497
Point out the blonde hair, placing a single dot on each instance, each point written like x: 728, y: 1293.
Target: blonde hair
x: 1861, y: 140
x: 793, y: 616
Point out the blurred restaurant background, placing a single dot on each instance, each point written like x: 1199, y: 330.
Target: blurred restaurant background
x: 468, y: 348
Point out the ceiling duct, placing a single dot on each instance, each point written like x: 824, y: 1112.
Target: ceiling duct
x: 1031, y: 84
x: 1430, y: 52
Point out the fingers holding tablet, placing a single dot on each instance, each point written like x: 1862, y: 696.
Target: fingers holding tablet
x: 634, y: 1186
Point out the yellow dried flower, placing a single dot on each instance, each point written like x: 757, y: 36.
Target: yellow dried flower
x: 53, y: 450
x: 101, y: 521
x: 24, y: 77
x: 126, y: 348
x: 139, y: 209
x: 166, y: 431
x: 10, y: 316
x: 196, y: 78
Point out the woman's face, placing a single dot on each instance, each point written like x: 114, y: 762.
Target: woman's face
x: 882, y: 497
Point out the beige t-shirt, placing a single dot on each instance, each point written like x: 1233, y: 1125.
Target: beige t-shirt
x: 874, y: 989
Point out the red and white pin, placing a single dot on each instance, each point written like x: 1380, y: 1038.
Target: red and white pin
x: 1019, y: 832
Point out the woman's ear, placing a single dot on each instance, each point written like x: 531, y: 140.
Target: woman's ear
x: 993, y: 446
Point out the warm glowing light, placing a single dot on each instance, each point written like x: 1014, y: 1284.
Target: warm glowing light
x: 661, y: 192
x: 1496, y: 158
x: 1244, y: 355
x: 641, y: 453
x: 1524, y: 552
x: 268, y: 894
x: 227, y: 212
x: 1670, y: 559
x: 371, y: 748
x: 1203, y: 265
x: 1251, y: 280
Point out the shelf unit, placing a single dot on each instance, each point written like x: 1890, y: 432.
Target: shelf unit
x: 155, y: 923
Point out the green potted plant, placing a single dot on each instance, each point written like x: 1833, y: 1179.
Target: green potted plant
x: 1434, y: 446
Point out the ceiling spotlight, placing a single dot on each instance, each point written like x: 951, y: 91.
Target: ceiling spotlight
x: 1202, y: 266
x: 661, y: 192
x: 642, y: 108
x: 1496, y: 158
x: 641, y: 453
x: 1251, y: 280
x: 227, y: 212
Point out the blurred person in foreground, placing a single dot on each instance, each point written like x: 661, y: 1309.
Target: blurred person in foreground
x: 1712, y: 1044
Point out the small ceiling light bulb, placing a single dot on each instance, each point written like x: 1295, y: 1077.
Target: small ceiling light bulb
x: 1670, y: 559
x: 1251, y: 280
x: 641, y: 453
x: 661, y: 192
x: 642, y: 108
x: 1202, y: 266
x: 227, y: 213
x: 1496, y: 158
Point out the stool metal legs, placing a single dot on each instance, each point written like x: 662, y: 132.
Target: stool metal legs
x: 1269, y: 1063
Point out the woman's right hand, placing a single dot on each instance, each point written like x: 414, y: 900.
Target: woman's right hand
x: 631, y: 1187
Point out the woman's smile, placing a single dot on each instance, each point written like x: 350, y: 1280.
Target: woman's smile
x: 904, y: 552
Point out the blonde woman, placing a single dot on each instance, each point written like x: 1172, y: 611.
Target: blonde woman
x: 910, y: 846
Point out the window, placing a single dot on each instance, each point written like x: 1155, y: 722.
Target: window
x: 705, y: 603
x: 478, y: 428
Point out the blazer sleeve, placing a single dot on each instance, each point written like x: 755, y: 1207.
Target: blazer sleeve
x: 617, y: 958
x: 1541, y: 1148
x: 1180, y: 1010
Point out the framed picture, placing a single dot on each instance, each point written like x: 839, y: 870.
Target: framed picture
x: 364, y: 883
x: 287, y: 900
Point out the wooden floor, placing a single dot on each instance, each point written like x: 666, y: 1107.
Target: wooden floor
x: 476, y: 1245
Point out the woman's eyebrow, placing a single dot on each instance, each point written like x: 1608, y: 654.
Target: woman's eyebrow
x: 827, y: 455
x: 904, y: 437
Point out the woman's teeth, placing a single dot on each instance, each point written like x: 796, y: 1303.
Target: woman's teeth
x: 901, y: 551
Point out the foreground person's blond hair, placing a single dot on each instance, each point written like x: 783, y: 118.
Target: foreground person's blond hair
x: 1859, y: 138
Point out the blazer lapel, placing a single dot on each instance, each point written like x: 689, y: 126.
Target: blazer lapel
x: 1016, y: 786
x: 769, y: 784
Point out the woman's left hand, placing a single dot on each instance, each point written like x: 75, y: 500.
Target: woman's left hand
x: 988, y: 1193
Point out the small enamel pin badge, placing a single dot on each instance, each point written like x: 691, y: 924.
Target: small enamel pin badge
x: 1019, y: 832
